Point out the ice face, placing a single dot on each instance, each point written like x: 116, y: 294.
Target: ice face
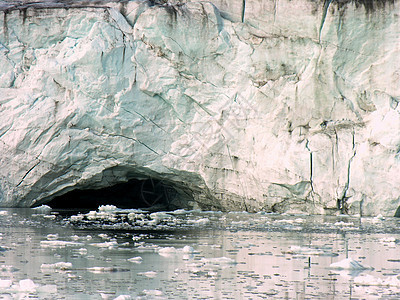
x: 246, y: 105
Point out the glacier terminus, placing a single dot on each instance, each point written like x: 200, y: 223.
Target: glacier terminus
x: 256, y: 105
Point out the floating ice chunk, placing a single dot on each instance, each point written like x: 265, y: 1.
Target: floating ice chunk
x: 188, y: 249
x: 8, y: 268
x: 136, y: 260
x: 366, y: 279
x: 52, y: 217
x: 378, y: 218
x: 123, y: 297
x: 106, y: 215
x: 179, y: 212
x: 47, y: 289
x: 219, y: 261
x: 159, y: 216
x: 5, y: 283
x: 146, y: 248
x: 152, y: 292
x: 110, y: 208
x: 344, y: 224
x: 200, y: 222
x: 167, y: 251
x: 310, y: 251
x: 103, y: 236
x: 52, y: 237
x: 98, y: 270
x: 2, y: 249
x: 284, y: 221
x: 81, y: 251
x: 27, y: 285
x: 149, y: 274
x: 203, y: 221
x: 392, y: 281
x: 348, y: 264
x: 57, y: 266
x: 299, y: 220
x: 109, y: 245
x: 42, y: 209
x: 77, y: 218
x: 388, y: 240
x: 59, y: 244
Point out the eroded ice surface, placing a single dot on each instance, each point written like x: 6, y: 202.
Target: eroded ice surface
x: 111, y: 253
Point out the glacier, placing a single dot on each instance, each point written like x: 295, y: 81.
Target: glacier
x: 257, y: 105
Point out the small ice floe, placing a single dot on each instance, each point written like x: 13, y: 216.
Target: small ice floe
x: 59, y: 244
x: 3, y: 249
x: 27, y: 285
x: 109, y: 245
x: 77, y: 238
x: 103, y: 236
x: 103, y: 215
x: 43, y: 209
x: 388, y: 241
x: 349, y: 264
x: 219, y: 261
x: 200, y: 222
x: 136, y: 260
x: 52, y: 237
x: 110, y: 208
x: 5, y: 283
x: 344, y: 224
x: 62, y: 266
x: 167, y: 251
x: 77, y: 218
x: 179, y: 212
x: 8, y: 268
x: 289, y: 221
x: 142, y: 247
x: 152, y: 293
x: 81, y: 251
x: 149, y: 274
x: 51, y: 217
x: 188, y: 249
x: 106, y: 295
x: 366, y: 279
x: 98, y: 270
x: 123, y: 297
x: 161, y: 215
x: 310, y: 251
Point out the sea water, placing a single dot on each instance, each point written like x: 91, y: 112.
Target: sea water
x: 112, y: 253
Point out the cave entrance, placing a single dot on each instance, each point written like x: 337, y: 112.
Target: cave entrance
x: 150, y: 194
x: 397, y: 213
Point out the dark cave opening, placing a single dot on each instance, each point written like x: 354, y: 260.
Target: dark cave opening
x: 151, y: 194
x: 397, y: 213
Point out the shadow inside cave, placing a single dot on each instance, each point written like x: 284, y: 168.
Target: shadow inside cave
x: 150, y: 194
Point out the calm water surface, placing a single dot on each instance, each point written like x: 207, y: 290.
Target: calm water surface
x: 131, y: 254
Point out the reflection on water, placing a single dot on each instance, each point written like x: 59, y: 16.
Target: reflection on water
x: 120, y: 254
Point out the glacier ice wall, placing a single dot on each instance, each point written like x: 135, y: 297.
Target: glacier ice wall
x: 274, y: 105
